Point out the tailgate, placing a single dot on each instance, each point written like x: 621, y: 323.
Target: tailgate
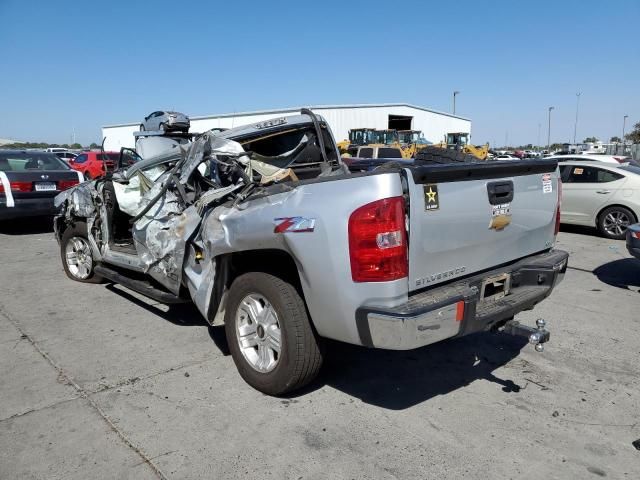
x: 466, y: 218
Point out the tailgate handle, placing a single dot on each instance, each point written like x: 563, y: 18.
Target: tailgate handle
x: 500, y: 192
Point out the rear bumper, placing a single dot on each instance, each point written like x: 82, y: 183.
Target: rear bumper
x: 456, y: 310
x: 27, y: 208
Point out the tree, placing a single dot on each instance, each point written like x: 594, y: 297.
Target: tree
x: 94, y: 145
x: 634, y: 136
x: 75, y: 146
x: 590, y: 140
x: 615, y: 139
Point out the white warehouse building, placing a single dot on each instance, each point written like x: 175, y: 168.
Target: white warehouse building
x: 341, y: 118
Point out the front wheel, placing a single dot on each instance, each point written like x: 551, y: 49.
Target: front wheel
x: 269, y: 333
x: 613, y: 222
x: 75, y: 251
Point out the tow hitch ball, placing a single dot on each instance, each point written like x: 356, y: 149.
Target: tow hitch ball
x: 537, y: 336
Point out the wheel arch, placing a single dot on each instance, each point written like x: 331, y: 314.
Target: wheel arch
x: 230, y: 266
x: 606, y: 207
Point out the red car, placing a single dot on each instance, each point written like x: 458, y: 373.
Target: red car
x: 93, y: 164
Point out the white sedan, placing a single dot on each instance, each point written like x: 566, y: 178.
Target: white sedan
x: 600, y: 194
x: 613, y: 159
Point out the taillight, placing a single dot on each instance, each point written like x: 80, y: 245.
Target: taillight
x: 378, y: 241
x: 635, y: 235
x: 65, y: 184
x: 557, y: 229
x: 18, y: 187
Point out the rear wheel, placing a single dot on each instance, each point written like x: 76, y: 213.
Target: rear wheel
x: 162, y: 127
x: 77, y: 259
x: 613, y: 222
x: 141, y: 127
x: 269, y: 334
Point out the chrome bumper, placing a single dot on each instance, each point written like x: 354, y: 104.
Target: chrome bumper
x: 456, y: 309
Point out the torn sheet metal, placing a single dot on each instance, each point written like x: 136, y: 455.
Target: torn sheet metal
x: 80, y: 199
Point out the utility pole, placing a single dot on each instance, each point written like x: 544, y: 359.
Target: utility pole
x: 455, y: 92
x: 624, y: 124
x: 549, y: 131
x: 575, y: 126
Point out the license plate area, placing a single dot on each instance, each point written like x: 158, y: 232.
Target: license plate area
x: 45, y: 186
x: 495, y: 287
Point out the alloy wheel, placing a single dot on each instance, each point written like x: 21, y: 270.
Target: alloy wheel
x: 258, y: 332
x: 78, y: 257
x: 616, y: 223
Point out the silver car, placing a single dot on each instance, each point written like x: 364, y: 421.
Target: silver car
x: 600, y: 194
x: 165, y: 121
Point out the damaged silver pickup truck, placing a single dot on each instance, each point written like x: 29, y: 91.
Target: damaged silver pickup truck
x: 269, y: 233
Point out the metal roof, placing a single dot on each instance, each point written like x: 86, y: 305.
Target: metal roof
x: 312, y: 107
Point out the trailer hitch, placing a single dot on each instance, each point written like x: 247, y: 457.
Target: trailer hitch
x: 537, y: 336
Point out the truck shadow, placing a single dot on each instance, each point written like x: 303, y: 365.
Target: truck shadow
x: 623, y: 273
x: 399, y: 380
x: 395, y: 380
x: 184, y: 314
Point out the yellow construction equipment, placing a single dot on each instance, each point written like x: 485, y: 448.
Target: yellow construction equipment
x: 411, y: 141
x: 358, y: 137
x: 460, y: 141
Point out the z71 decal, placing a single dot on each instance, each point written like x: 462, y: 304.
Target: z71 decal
x: 294, y: 224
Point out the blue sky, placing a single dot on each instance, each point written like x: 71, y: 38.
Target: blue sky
x: 79, y: 65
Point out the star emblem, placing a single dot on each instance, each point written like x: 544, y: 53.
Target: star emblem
x: 431, y: 196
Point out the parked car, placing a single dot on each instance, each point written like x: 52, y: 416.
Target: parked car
x: 633, y: 240
x: 30, y: 180
x: 600, y: 194
x: 613, y: 159
x: 504, y: 156
x: 94, y: 164
x: 56, y: 149
x: 268, y: 233
x: 166, y: 121
x: 66, y: 156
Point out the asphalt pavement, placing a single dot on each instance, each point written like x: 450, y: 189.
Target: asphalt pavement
x: 99, y: 382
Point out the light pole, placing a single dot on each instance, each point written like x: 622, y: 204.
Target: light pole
x: 455, y: 92
x: 624, y: 124
x: 549, y: 130
x: 575, y: 126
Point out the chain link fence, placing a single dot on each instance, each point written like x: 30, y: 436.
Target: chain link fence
x: 631, y: 150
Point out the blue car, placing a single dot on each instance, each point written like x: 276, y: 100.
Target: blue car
x: 633, y: 240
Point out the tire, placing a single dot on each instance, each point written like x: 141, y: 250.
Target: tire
x: 141, y: 127
x: 443, y: 156
x: 256, y: 296
x: 87, y: 176
x: 162, y: 127
x: 613, y: 222
x: 72, y: 237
